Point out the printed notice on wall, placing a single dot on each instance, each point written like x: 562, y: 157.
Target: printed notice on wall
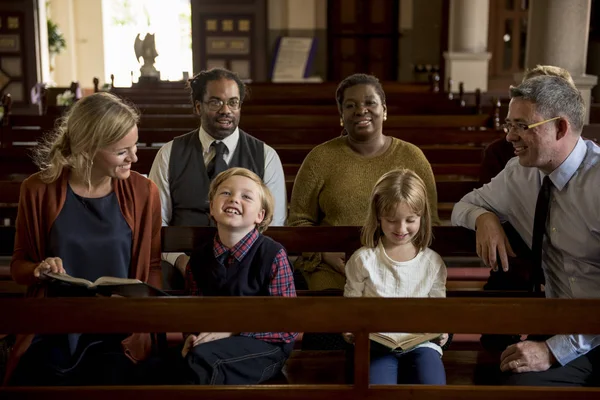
x: 293, y: 59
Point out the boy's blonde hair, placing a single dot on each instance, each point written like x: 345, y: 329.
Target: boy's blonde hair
x: 549, y: 70
x: 92, y: 123
x: 395, y: 187
x: 266, y: 198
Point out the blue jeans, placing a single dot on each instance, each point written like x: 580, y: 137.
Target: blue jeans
x: 419, y: 366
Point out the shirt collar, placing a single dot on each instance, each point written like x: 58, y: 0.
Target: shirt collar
x: 230, y: 141
x: 239, y: 250
x: 563, y: 174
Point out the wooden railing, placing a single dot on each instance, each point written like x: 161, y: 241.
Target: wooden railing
x: 317, y: 314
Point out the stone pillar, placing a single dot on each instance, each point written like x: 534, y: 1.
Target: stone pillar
x: 566, y: 47
x: 65, y: 64
x: 467, y: 59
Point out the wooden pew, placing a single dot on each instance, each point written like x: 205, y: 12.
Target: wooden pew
x: 20, y: 157
x: 111, y: 315
x: 456, y: 245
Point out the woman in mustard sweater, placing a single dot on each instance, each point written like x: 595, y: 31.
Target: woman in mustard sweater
x: 335, y: 180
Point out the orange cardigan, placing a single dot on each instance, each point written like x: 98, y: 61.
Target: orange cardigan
x: 39, y: 206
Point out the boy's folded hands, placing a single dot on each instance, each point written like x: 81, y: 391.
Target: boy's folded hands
x: 205, y: 337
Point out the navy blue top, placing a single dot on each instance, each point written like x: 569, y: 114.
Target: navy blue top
x: 93, y: 239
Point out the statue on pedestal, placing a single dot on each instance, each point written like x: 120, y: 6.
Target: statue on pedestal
x: 147, y: 50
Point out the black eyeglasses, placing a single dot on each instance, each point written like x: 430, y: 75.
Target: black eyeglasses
x: 509, y: 126
x: 216, y: 105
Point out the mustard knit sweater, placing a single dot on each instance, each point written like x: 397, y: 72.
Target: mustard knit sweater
x: 334, y: 184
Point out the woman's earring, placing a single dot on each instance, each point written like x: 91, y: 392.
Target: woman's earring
x: 341, y: 122
x: 384, y: 116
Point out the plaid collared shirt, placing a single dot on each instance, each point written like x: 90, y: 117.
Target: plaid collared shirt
x: 282, y: 278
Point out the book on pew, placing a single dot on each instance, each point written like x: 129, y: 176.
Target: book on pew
x: 402, y: 341
x: 103, y: 286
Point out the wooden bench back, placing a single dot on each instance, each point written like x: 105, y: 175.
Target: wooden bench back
x: 360, y: 316
x: 448, y: 241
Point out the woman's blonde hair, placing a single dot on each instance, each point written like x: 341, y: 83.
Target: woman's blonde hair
x: 266, y: 197
x: 94, y: 122
x: 396, y: 187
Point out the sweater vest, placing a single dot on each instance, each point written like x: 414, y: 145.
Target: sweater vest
x: 189, y: 182
x: 249, y: 277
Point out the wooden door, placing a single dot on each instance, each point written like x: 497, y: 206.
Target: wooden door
x: 230, y: 34
x: 363, y: 37
x: 18, y: 43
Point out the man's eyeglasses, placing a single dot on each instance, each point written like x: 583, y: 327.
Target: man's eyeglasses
x: 509, y: 126
x: 216, y: 105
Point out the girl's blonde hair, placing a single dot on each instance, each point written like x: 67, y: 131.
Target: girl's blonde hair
x: 393, y: 188
x: 266, y: 198
x: 94, y: 122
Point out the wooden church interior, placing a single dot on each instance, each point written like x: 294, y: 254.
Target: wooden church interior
x: 445, y: 65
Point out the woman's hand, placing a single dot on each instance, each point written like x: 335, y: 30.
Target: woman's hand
x: 50, y: 264
x: 336, y: 260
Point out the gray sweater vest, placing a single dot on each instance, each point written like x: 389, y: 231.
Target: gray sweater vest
x: 189, y: 181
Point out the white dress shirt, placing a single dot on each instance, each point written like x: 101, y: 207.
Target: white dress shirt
x: 273, y: 177
x: 571, y: 248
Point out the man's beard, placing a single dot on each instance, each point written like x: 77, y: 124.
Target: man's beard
x: 218, y: 131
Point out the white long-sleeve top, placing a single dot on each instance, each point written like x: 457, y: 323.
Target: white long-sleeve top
x: 370, y: 272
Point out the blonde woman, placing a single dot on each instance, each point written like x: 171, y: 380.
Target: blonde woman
x: 86, y: 214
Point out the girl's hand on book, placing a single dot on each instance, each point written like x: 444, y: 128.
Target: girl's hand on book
x: 50, y: 264
x: 348, y: 337
x: 441, y: 341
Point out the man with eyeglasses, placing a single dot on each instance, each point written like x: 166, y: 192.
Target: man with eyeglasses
x: 549, y: 194
x: 184, y: 167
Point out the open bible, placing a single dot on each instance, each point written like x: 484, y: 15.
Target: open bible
x: 402, y: 341
x: 103, y: 286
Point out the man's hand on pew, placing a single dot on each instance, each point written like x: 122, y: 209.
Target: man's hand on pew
x: 205, y: 337
x: 526, y: 356
x: 50, y: 264
x: 492, y: 240
x: 336, y: 260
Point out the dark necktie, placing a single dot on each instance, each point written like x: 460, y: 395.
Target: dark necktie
x: 539, y: 229
x: 217, y: 164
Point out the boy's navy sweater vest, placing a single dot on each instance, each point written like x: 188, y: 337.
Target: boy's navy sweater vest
x: 189, y: 181
x: 250, y: 277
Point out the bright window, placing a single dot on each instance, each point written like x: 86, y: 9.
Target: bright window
x: 171, y: 23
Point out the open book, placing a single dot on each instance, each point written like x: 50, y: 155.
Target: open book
x: 105, y: 285
x: 402, y: 341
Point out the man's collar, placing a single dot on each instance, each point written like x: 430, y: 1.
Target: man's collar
x: 230, y: 141
x: 563, y: 174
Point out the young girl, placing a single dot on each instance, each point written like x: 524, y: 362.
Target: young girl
x: 395, y: 261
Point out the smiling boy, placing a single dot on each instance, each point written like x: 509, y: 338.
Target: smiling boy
x: 240, y: 261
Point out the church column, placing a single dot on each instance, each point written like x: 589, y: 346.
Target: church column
x: 557, y: 35
x: 65, y: 63
x: 467, y: 58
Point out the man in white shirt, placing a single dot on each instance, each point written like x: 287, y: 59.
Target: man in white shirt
x: 184, y: 167
x: 549, y: 194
